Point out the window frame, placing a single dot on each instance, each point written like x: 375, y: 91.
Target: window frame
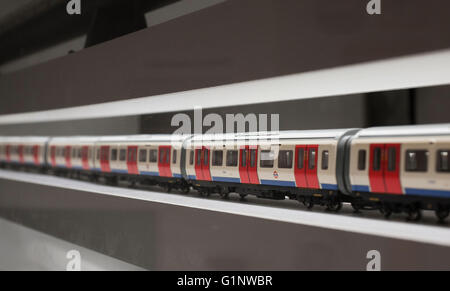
x: 214, y: 161
x: 439, y: 160
x: 271, y: 162
x: 417, y: 169
x: 234, y: 154
x: 289, y: 163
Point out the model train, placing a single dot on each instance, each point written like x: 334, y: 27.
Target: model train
x: 393, y: 169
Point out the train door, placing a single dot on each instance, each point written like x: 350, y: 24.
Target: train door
x: 198, y: 163
x: 21, y: 157
x: 35, y: 150
x: 8, y: 153
x: 164, y: 161
x: 376, y: 168
x: 132, y: 160
x: 392, y: 169
x: 104, y: 159
x: 300, y: 166
x: 243, y: 164
x: 53, y: 155
x: 85, y: 157
x: 206, y: 172
x: 67, y: 156
x: 311, y: 166
x: 252, y: 163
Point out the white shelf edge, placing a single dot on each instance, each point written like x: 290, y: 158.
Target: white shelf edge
x: 420, y: 70
x: 389, y: 229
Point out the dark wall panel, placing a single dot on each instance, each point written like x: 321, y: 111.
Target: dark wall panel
x: 235, y: 41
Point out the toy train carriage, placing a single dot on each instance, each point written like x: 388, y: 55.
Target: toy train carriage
x: 141, y: 157
x: 406, y: 163
x: 23, y: 151
x: 71, y: 153
x: 298, y: 164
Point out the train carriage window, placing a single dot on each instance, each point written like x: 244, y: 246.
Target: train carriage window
x: 392, y: 159
x: 122, y: 155
x: 312, y: 159
x: 443, y: 161
x: 199, y: 157
x: 142, y: 155
x: 167, y: 156
x: 205, y: 157
x: 232, y: 158
x: 174, y: 157
x: 325, y: 158
x: 416, y: 160
x: 114, y: 155
x: 217, y: 158
x: 191, y: 157
x: 252, y: 158
x: 285, y: 159
x: 361, y: 160
x: 153, y: 156
x: 267, y: 159
x: 376, y: 159
x: 300, y: 158
x: 244, y: 158
x: 79, y: 154
x: 63, y: 152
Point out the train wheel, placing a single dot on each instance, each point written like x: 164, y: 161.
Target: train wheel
x: 243, y: 196
x: 442, y: 214
x: 386, y: 210
x: 185, y: 189
x: 309, y: 203
x: 301, y: 199
x: 356, y: 207
x: 334, y: 205
x: 414, y: 214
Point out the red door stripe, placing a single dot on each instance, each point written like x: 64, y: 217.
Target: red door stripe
x: 392, y: 169
x: 311, y: 166
x: 376, y: 168
x: 132, y: 160
x: 300, y: 166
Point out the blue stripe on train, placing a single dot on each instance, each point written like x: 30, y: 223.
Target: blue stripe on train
x: 119, y: 171
x: 192, y: 177
x: 329, y: 186
x: 177, y: 176
x: 427, y: 192
x: 226, y: 179
x: 278, y: 183
x: 149, y: 173
x: 360, y: 188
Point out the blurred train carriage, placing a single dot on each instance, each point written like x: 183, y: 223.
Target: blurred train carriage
x: 394, y: 169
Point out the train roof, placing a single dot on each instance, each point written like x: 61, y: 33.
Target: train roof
x: 406, y: 130
x: 144, y: 138
x: 288, y: 134
x: 120, y: 138
x: 21, y: 139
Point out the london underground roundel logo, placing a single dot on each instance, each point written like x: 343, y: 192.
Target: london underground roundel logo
x: 275, y: 174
